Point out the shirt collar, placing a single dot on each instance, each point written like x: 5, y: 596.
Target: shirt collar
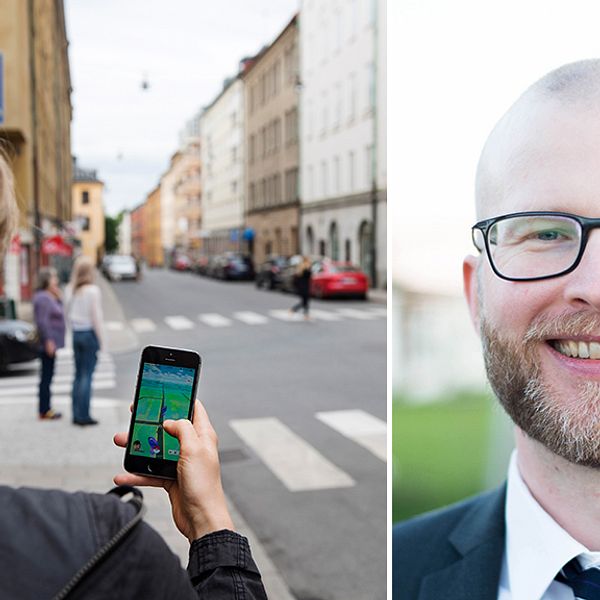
x: 537, y: 547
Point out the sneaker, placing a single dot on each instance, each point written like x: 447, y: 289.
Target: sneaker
x: 86, y: 422
x: 50, y: 415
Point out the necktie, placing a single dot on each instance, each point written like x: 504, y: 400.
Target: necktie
x: 584, y: 583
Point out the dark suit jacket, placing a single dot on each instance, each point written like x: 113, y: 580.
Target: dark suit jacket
x: 454, y: 553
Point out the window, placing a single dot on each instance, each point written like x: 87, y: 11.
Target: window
x: 252, y: 196
x: 324, y: 114
x: 234, y: 187
x: 348, y: 251
x: 337, y: 109
x: 277, y: 188
x: 351, y: 172
x: 251, y: 148
x: 291, y: 185
x: 85, y: 223
x: 336, y: 175
x: 263, y: 193
x: 233, y: 118
x: 276, y: 76
x: 369, y: 166
x: 277, y: 134
x: 252, y: 98
x: 370, y: 97
x: 324, y: 182
x: 85, y: 197
x: 310, y: 240
x: 338, y: 31
x: 263, y: 150
x: 334, y: 241
x: 234, y: 155
x: 352, y: 97
x: 310, y: 120
x: 310, y: 173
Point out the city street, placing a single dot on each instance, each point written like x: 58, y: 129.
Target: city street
x: 299, y: 408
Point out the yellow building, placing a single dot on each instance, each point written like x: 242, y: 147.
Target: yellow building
x: 153, y: 253
x: 88, y: 211
x: 35, y: 117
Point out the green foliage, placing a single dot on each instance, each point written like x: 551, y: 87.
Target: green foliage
x: 111, y: 229
x: 440, y: 452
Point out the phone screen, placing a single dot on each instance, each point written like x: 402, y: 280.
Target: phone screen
x: 166, y: 389
x: 165, y: 393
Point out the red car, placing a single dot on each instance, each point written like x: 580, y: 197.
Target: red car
x: 182, y: 263
x: 331, y: 278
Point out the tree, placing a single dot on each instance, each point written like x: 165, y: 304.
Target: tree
x: 111, y: 229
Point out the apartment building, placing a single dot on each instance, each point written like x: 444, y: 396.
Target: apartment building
x: 35, y: 117
x: 222, y: 177
x: 343, y: 208
x: 88, y: 211
x: 271, y: 107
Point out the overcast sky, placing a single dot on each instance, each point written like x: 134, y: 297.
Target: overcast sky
x: 185, y: 49
x: 455, y: 68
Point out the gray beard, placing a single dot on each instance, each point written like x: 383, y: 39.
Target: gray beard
x: 570, y: 430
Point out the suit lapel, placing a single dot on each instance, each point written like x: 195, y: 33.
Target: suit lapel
x: 479, y: 540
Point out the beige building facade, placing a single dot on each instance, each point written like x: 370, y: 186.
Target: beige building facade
x: 272, y: 160
x: 153, y: 254
x: 88, y: 212
x: 35, y: 117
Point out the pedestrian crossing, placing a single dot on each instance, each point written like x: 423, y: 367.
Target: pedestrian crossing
x: 295, y: 462
x: 64, y: 372
x: 247, y: 317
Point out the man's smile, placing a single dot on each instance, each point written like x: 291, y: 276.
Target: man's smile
x: 577, y: 348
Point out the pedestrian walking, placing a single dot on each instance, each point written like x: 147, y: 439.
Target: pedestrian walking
x: 49, y: 317
x: 302, y: 285
x: 85, y: 317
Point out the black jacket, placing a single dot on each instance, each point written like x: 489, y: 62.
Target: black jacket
x: 46, y: 536
x: 454, y: 553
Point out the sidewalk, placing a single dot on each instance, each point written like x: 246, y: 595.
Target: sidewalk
x: 378, y: 295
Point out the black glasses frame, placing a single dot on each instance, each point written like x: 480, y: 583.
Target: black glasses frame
x: 585, y: 223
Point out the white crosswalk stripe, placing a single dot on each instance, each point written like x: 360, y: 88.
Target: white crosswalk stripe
x: 284, y: 315
x: 298, y: 465
x: 358, y: 425
x: 215, y: 320
x: 142, y: 325
x: 325, y: 315
x: 354, y: 313
x: 250, y: 318
x: 179, y: 322
x: 64, y: 370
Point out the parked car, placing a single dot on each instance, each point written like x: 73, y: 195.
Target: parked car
x: 18, y: 342
x: 104, y: 264
x: 232, y: 265
x: 182, y: 263
x: 332, y: 278
x: 269, y: 273
x: 200, y: 267
x: 121, y: 267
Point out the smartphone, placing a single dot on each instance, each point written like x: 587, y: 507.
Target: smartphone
x: 166, y: 389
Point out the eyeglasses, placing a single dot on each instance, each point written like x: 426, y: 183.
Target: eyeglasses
x: 528, y: 246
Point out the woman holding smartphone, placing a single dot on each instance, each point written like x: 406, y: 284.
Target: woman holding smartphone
x: 85, y: 316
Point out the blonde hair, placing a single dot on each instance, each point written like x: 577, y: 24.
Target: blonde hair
x: 9, y: 211
x: 82, y: 274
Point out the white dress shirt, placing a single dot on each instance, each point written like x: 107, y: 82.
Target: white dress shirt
x: 537, y: 547
x: 84, y: 309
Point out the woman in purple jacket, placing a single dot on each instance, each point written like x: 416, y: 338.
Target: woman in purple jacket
x: 49, y: 318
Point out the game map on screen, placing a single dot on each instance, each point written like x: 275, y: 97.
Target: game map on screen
x: 165, y: 393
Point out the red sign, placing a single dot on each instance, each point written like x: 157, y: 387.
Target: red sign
x: 56, y: 245
x: 15, y: 245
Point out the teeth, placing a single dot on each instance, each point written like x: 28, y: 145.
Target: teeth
x: 578, y: 349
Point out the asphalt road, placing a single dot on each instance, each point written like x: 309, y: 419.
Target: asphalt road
x: 310, y: 481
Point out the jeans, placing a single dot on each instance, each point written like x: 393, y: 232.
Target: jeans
x: 303, y: 304
x: 85, y: 347
x: 45, y: 381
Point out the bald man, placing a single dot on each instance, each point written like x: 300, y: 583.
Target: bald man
x: 533, y: 291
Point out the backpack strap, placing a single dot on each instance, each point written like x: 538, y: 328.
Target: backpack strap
x: 129, y: 495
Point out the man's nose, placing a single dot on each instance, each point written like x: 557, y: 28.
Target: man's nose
x: 583, y: 284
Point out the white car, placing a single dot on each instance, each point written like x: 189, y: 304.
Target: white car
x: 121, y: 267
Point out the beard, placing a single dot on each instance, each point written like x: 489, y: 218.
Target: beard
x: 569, y: 427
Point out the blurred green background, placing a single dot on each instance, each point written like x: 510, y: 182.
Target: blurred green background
x: 445, y: 449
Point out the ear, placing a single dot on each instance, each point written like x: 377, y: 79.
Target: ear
x: 470, y: 288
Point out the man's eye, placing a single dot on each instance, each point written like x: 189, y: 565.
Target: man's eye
x: 548, y: 236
